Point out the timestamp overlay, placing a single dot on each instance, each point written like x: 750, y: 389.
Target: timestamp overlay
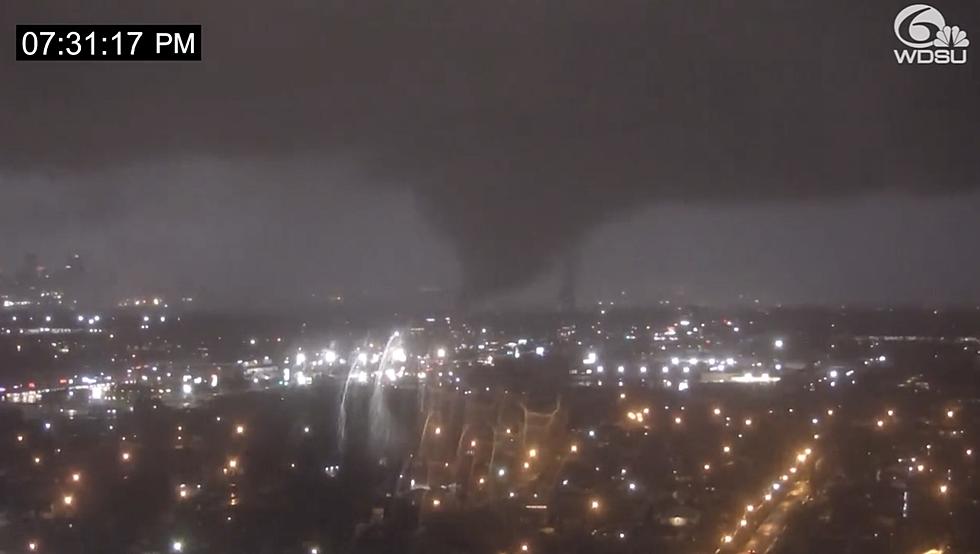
x: 109, y: 42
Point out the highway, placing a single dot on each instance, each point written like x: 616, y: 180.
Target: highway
x: 767, y: 533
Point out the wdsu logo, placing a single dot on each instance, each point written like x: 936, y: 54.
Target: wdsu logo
x: 929, y: 39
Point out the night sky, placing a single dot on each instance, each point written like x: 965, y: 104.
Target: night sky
x: 710, y: 151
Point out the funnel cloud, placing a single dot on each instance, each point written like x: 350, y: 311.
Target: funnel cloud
x: 515, y: 128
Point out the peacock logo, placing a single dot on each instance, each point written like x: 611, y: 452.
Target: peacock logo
x: 951, y: 37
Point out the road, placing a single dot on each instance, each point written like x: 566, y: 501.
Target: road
x: 764, y: 537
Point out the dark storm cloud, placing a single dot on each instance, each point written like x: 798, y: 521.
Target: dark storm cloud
x: 518, y: 126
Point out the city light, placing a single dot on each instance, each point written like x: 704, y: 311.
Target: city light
x: 662, y: 450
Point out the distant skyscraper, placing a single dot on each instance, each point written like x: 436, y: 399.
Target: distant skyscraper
x: 569, y: 280
x: 29, y: 272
